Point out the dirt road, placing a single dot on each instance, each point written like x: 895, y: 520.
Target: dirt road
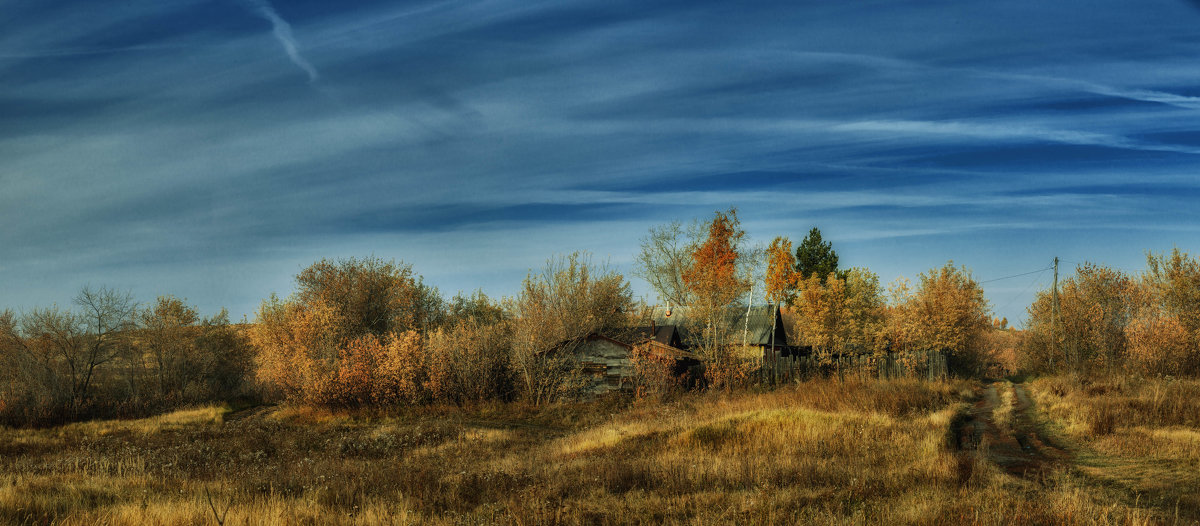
x: 1003, y: 426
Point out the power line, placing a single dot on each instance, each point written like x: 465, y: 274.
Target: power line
x: 1017, y: 275
x: 1037, y: 279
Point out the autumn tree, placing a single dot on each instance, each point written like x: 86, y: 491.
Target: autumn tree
x: 781, y: 277
x: 469, y: 361
x: 477, y: 307
x: 53, y: 359
x: 164, y: 324
x: 713, y: 276
x: 1088, y: 332
x: 836, y: 315
x: 815, y: 257
x: 371, y: 295
x: 339, y: 326
x: 1164, y: 335
x: 33, y: 378
x: 947, y: 312
x: 1003, y: 345
x: 568, y: 300
x: 1174, y: 282
x: 1160, y: 345
x: 715, y: 282
x: 865, y: 310
x: 822, y: 316
x: 104, y: 315
x: 221, y: 362
x: 298, y: 346
x: 899, y: 328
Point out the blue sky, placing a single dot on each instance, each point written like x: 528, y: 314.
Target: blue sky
x: 211, y: 149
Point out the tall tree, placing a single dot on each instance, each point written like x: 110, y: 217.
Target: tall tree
x: 781, y: 279
x: 823, y: 320
x: 105, y: 314
x: 716, y: 283
x: 665, y: 255
x: 31, y: 366
x: 713, y: 275
x: 163, y: 324
x: 1175, y: 284
x: 815, y: 257
x: 948, y: 312
x: 371, y: 295
x: 1095, y: 307
x: 865, y: 310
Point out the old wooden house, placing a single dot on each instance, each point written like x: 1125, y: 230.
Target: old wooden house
x: 606, y: 357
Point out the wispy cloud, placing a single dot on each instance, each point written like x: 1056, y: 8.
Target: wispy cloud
x: 283, y: 33
x: 163, y: 139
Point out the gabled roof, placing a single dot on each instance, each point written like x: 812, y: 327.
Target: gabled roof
x: 664, y: 340
x: 664, y: 334
x: 756, y: 325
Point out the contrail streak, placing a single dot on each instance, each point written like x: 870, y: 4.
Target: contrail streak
x: 283, y: 33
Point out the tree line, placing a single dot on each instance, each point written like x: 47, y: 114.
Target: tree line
x: 1106, y: 321
x: 835, y: 311
x: 107, y: 356
x: 368, y: 331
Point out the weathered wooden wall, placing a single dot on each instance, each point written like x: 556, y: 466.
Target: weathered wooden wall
x: 606, y: 363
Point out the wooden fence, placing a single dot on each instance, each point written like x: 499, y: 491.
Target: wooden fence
x: 929, y: 365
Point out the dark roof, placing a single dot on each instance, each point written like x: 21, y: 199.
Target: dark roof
x: 756, y: 325
x: 660, y: 341
x: 664, y: 334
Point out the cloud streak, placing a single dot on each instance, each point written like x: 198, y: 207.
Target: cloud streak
x: 475, y: 139
x: 283, y: 33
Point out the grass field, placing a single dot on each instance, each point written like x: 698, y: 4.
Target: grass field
x: 818, y: 452
x: 1141, y: 438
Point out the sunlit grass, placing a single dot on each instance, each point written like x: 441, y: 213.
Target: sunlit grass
x: 1139, y: 435
x: 819, y: 452
x: 1003, y: 414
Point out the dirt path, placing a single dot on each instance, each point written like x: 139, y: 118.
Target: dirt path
x: 1003, y: 426
x: 255, y: 412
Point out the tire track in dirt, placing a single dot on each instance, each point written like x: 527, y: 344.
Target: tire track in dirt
x: 1018, y: 446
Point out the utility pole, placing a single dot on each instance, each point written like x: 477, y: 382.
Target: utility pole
x: 1054, y: 315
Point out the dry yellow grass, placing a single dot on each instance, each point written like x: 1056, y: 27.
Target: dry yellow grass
x: 1004, y: 413
x: 818, y: 452
x: 1141, y: 436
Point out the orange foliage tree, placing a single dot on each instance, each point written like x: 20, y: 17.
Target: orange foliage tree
x: 1160, y: 345
x: 1164, y: 335
x: 781, y: 279
x: 348, y: 336
x: 1111, y: 322
x: 865, y: 309
x: 715, y: 283
x: 469, y: 361
x: 947, y: 312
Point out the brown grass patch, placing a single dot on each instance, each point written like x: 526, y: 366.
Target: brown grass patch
x: 818, y: 452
